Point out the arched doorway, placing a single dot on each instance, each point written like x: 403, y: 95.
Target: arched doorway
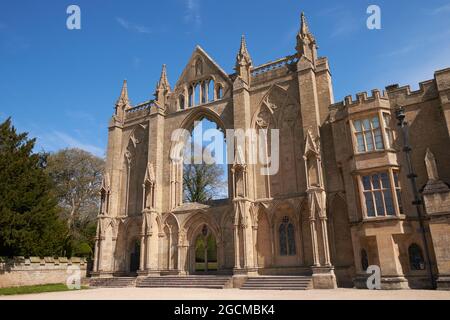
x: 135, y: 256
x: 205, y: 251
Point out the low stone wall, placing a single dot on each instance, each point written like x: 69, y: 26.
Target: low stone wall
x: 21, y: 271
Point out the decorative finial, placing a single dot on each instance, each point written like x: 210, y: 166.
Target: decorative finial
x: 123, y: 99
x: 243, y: 44
x: 162, y: 88
x: 304, y: 29
x: 243, y: 62
x: 243, y: 57
x: 163, y: 81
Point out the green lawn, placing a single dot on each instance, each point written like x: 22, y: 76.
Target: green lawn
x: 35, y: 289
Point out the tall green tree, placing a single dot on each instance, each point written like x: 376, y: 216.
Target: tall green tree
x: 29, y: 222
x: 77, y: 178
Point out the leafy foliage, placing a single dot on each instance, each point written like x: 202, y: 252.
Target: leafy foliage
x: 77, y: 177
x: 29, y: 222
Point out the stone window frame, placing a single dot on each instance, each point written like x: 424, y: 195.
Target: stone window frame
x: 182, y: 102
x: 203, y: 86
x: 395, y: 189
x: 290, y: 242
x: 386, y: 131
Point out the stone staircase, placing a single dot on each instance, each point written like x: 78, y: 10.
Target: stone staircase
x: 192, y: 281
x: 278, y: 283
x: 113, y: 282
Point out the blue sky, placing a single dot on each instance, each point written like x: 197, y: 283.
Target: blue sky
x: 61, y: 85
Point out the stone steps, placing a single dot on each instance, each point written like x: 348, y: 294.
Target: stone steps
x: 278, y: 283
x: 113, y: 282
x: 211, y: 282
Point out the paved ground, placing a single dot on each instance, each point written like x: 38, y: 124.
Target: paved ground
x: 232, y: 294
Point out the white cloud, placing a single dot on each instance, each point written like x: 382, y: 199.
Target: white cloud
x: 399, y: 52
x: 80, y: 115
x: 193, y: 12
x: 57, y: 140
x: 133, y: 27
x: 344, y: 21
x: 442, y: 9
x: 74, y: 143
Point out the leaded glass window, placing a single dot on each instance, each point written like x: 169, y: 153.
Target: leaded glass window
x: 287, y: 238
x: 388, y: 129
x: 378, y: 194
x: 368, y: 134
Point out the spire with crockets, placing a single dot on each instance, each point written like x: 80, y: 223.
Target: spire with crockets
x: 306, y: 43
x: 243, y: 62
x: 123, y: 103
x: 162, y: 88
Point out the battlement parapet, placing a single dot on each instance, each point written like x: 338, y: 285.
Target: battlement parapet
x: 402, y: 96
x: 362, y: 99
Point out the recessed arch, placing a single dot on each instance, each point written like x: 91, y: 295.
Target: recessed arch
x: 181, y: 139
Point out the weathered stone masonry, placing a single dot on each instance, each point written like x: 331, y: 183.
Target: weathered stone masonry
x: 341, y: 196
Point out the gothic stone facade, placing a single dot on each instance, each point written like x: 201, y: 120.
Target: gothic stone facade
x: 341, y: 200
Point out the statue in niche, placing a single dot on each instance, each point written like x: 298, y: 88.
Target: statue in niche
x: 198, y: 68
x: 149, y: 187
x: 430, y: 163
x: 313, y: 173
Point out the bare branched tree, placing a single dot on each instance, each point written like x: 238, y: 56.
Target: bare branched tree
x: 203, y: 182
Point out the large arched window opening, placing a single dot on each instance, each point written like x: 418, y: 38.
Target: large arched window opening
x: 211, y: 90
x: 181, y: 102
x: 191, y: 97
x: 416, y: 261
x: 287, y: 238
x: 197, y: 93
x: 205, y: 169
x: 219, y: 92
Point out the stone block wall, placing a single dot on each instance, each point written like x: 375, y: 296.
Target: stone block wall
x: 20, y: 271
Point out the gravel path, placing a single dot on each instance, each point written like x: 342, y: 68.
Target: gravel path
x: 232, y: 294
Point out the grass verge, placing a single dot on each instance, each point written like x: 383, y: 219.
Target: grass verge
x: 35, y: 289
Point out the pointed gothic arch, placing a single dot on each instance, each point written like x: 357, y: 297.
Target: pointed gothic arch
x: 134, y: 166
x: 278, y: 110
x: 177, y: 150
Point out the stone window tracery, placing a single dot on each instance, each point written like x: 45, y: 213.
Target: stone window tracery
x: 204, y: 91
